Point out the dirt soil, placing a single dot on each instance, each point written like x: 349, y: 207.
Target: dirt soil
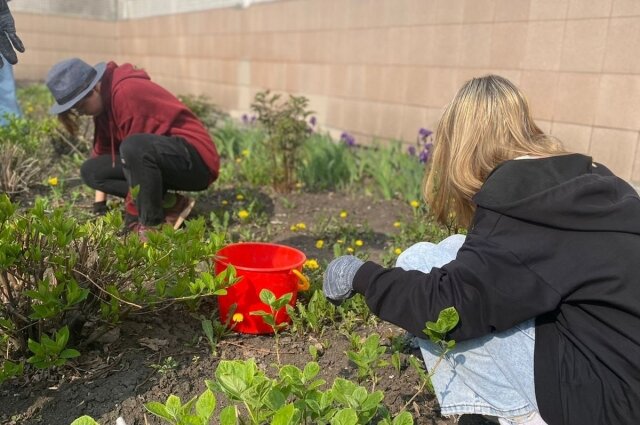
x: 115, y: 377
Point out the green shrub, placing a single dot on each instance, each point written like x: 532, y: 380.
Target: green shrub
x: 56, y: 272
x: 286, y: 127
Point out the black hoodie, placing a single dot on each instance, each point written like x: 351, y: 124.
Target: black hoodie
x: 557, y: 239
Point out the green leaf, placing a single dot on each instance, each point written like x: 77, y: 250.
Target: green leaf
x: 158, y: 409
x: 403, y: 418
x: 69, y: 353
x: 345, y: 417
x: 284, y: 415
x: 35, y: 347
x: 85, y: 420
x: 267, y: 297
x: 62, y: 336
x: 311, y: 370
x: 205, y: 405
x: 173, y: 406
x: 229, y: 416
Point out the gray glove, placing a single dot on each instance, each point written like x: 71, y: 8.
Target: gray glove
x: 9, y: 40
x: 338, y: 278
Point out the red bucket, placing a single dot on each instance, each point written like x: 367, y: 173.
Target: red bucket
x: 259, y: 266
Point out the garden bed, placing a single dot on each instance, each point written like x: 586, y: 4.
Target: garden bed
x: 128, y: 366
x: 142, y: 318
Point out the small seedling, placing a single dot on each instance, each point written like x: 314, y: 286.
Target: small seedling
x: 276, y: 305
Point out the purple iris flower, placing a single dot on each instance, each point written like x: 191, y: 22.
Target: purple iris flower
x: 424, y: 133
x: 411, y: 150
x: 425, y: 155
x: 348, y: 139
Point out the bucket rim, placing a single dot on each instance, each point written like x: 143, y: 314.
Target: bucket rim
x: 223, y: 259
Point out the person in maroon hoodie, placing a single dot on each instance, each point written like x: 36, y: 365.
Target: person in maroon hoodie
x: 146, y: 141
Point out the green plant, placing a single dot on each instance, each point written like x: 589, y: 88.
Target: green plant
x: 51, y: 352
x: 167, y: 365
x: 368, y: 357
x: 10, y: 370
x: 55, y: 271
x: 285, y: 124
x: 204, y: 109
x: 271, y: 318
x: 295, y: 396
x: 312, y: 316
x: 196, y: 411
x: 326, y: 165
x: 85, y: 420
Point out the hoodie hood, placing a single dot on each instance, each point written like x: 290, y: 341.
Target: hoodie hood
x: 566, y: 192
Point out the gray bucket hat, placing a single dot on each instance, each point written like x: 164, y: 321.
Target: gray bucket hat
x: 71, y: 80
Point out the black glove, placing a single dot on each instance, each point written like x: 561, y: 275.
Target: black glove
x: 338, y: 278
x: 9, y: 40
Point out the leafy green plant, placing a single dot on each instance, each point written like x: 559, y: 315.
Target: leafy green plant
x: 326, y: 165
x: 312, y: 316
x: 295, y: 396
x: 167, y: 365
x: 10, y: 370
x: 203, y: 108
x: 368, y: 357
x: 271, y: 318
x: 196, y: 411
x: 285, y: 124
x: 51, y: 352
x: 55, y: 271
x: 85, y: 420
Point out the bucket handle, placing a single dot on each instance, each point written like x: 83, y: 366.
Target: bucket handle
x: 304, y: 284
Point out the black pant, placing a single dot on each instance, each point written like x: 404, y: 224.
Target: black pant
x: 101, y: 173
x: 156, y: 164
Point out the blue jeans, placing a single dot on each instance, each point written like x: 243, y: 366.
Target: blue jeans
x: 8, y: 99
x: 492, y: 375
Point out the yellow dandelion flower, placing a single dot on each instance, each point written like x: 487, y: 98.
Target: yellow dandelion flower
x: 53, y: 181
x: 243, y: 214
x: 311, y: 264
x: 359, y: 242
x: 350, y: 250
x: 225, y: 202
x: 319, y: 243
x: 343, y: 214
x: 415, y: 204
x: 397, y: 224
x: 145, y: 245
x: 397, y: 251
x: 294, y: 228
x: 239, y: 196
x: 245, y: 152
x: 237, y: 317
x: 301, y: 226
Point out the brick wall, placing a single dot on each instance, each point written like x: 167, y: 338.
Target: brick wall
x: 385, y: 68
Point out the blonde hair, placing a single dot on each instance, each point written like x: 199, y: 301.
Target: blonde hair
x: 486, y: 123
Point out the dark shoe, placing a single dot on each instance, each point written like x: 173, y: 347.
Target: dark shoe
x: 100, y: 208
x: 130, y: 224
x: 176, y: 214
x: 143, y: 231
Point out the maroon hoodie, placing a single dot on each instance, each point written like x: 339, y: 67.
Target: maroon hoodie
x: 133, y: 104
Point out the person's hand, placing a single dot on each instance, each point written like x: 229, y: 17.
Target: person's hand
x: 338, y: 278
x: 9, y: 40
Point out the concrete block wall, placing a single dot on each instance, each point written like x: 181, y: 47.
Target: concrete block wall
x: 385, y: 68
